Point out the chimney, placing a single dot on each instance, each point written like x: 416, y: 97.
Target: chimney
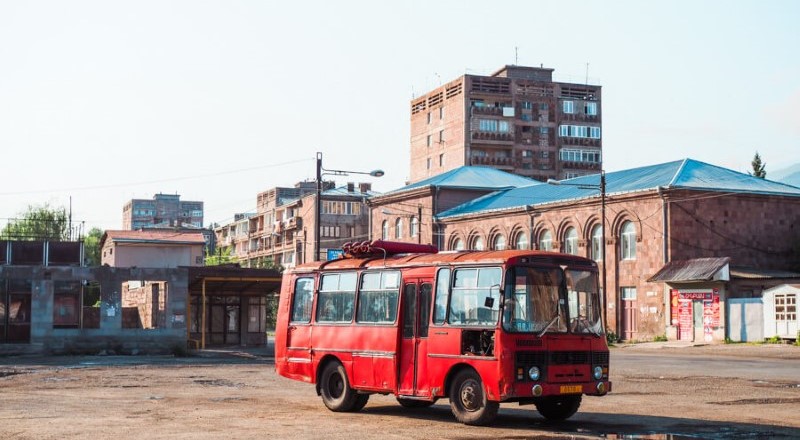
x: 364, y: 187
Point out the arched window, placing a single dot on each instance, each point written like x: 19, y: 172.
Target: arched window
x: 571, y: 241
x: 398, y: 228
x: 458, y: 245
x: 385, y: 230
x: 414, y: 227
x: 597, y: 240
x: 499, y: 242
x: 546, y: 241
x: 521, y: 241
x: 478, y: 244
x: 628, y: 241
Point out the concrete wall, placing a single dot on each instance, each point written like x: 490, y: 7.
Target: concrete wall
x: 154, y: 255
x: 110, y: 336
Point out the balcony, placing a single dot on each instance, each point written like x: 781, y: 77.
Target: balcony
x: 575, y: 165
x: 490, y: 111
x: 493, y: 137
x: 493, y: 161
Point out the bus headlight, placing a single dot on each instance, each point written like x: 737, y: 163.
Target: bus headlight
x: 534, y: 373
x: 598, y: 372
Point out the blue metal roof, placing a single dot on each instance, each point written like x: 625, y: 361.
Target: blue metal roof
x: 471, y: 177
x: 682, y: 174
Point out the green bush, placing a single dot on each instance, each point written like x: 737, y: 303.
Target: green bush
x: 660, y: 338
x: 611, y: 337
x: 774, y: 340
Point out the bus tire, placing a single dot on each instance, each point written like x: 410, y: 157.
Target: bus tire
x: 558, y: 408
x: 335, y: 389
x: 414, y: 403
x: 468, y: 400
x: 361, y: 402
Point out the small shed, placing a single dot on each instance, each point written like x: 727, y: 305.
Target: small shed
x: 780, y: 311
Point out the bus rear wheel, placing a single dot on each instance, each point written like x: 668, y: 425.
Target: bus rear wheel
x: 336, y: 392
x: 558, y: 408
x: 468, y: 400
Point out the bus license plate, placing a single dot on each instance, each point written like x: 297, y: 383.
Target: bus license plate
x: 571, y: 389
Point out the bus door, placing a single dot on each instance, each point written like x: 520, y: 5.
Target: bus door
x: 413, y: 357
x: 298, y: 334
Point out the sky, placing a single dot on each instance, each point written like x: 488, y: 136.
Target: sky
x: 105, y: 101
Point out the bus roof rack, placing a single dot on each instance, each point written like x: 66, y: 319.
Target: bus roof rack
x: 384, y: 248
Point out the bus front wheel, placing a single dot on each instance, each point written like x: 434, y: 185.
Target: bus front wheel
x: 558, y: 408
x: 336, y: 392
x: 468, y: 400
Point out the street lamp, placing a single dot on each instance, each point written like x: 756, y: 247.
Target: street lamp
x: 602, y: 188
x: 318, y: 214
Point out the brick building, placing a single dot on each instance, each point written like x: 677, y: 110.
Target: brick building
x: 655, y: 215
x: 284, y: 229
x: 163, y: 210
x: 517, y: 120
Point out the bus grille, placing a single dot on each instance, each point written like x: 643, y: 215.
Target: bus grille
x: 600, y: 358
x: 569, y: 357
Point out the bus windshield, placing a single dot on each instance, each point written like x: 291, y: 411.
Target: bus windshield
x: 552, y: 300
x: 583, y: 302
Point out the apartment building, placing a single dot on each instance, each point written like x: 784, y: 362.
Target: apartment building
x: 284, y: 229
x: 517, y: 120
x: 163, y: 210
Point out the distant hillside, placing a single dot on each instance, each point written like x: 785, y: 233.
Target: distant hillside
x: 789, y: 175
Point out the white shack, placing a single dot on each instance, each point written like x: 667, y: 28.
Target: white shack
x: 780, y: 311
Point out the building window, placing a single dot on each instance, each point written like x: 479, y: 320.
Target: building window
x: 597, y: 240
x: 385, y: 230
x: 591, y: 108
x: 571, y: 241
x: 527, y: 153
x: 543, y: 130
x: 628, y: 293
x: 628, y: 241
x: 441, y: 160
x: 527, y: 105
x: 546, y: 241
x: 477, y: 244
x: 499, y: 243
x: 521, y: 241
x: 579, y: 131
x: 428, y: 163
x: 429, y: 117
x: 543, y: 107
x: 569, y: 107
x: 398, y: 228
x: 494, y: 126
x: 414, y: 226
x: 441, y: 112
x: 441, y: 136
x: 786, y: 307
x: 579, y: 155
x: 429, y: 140
x: 458, y: 245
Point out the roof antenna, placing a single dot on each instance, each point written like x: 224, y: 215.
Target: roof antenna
x: 516, y: 55
x: 587, y: 74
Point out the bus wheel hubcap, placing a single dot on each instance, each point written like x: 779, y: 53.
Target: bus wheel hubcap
x: 470, y: 396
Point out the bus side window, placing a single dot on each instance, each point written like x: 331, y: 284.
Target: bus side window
x: 337, y: 293
x: 440, y: 303
x: 303, y: 298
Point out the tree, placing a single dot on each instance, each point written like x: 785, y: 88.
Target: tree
x: 759, y: 168
x: 39, y: 223
x: 91, y: 246
x: 222, y: 256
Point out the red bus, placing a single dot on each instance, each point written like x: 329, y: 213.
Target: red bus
x: 477, y: 327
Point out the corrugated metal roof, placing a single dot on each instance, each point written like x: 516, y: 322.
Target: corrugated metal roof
x: 342, y: 191
x: 174, y: 237
x: 477, y: 177
x: 761, y: 274
x: 697, y: 269
x: 687, y: 173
